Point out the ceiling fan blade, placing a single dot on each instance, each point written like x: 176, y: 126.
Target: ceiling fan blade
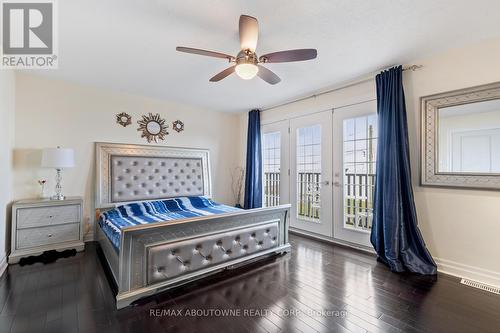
x: 249, y: 32
x: 290, y: 55
x: 204, y: 52
x: 267, y: 75
x: 223, y: 74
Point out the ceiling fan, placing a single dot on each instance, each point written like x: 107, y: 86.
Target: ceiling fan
x: 246, y: 64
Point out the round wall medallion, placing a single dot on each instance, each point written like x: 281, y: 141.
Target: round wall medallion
x: 178, y: 126
x: 153, y: 127
x: 123, y: 119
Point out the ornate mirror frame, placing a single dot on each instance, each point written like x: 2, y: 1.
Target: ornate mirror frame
x: 154, y: 120
x: 430, y: 105
x: 124, y: 119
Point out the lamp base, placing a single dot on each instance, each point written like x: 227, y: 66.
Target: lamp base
x: 58, y: 197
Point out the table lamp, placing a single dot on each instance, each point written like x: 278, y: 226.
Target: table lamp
x: 58, y: 158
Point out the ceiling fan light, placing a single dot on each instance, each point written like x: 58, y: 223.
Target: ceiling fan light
x: 246, y: 71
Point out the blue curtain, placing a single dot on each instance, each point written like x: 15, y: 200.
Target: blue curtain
x: 253, y: 176
x: 395, y: 235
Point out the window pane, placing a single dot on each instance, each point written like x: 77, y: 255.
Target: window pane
x: 361, y: 151
x: 360, y: 169
x: 349, y: 168
x: 372, y: 126
x: 361, y: 128
x: 359, y: 155
x: 349, y: 129
x: 308, y: 173
x: 372, y: 150
x: 271, y: 153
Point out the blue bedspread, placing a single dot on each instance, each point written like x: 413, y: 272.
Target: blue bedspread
x: 112, y: 221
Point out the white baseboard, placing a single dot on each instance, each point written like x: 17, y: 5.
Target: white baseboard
x: 469, y: 272
x: 3, y: 265
x: 332, y: 240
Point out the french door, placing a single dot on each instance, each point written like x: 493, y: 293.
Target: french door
x: 354, y: 165
x: 324, y: 165
x: 311, y: 173
x: 275, y: 162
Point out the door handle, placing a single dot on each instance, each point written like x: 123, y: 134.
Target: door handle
x: 336, y: 184
x: 326, y: 182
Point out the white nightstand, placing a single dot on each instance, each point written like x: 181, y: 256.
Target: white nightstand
x: 42, y: 225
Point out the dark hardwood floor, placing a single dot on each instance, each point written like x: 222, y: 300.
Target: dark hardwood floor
x: 319, y: 287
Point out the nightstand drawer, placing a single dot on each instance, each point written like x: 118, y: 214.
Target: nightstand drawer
x: 47, y: 235
x: 44, y: 216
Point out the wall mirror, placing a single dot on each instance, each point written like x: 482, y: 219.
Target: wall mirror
x: 153, y: 127
x: 461, y: 138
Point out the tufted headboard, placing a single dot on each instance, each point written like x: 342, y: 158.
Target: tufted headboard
x: 130, y: 173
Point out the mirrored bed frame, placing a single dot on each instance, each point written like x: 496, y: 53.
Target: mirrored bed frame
x: 157, y: 256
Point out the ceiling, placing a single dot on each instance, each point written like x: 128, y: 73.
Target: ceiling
x: 129, y: 46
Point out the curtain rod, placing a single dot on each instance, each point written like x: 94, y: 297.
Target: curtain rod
x: 342, y: 86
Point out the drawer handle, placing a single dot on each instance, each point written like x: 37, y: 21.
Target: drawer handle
x: 50, y: 216
x: 49, y: 235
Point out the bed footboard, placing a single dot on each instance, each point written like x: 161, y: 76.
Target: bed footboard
x: 158, y: 256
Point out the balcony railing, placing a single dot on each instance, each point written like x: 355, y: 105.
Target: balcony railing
x: 358, y: 194
x: 309, y: 195
x: 308, y: 188
x: 358, y: 205
x: 271, y: 189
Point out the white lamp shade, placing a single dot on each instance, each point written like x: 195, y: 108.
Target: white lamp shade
x: 58, y: 158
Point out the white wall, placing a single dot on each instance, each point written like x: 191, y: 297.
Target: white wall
x: 51, y: 113
x: 461, y: 227
x: 7, y: 103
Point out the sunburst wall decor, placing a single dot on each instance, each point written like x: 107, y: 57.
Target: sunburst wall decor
x: 123, y: 119
x: 178, y: 126
x: 153, y: 127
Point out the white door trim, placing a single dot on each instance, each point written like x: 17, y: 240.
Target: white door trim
x: 324, y: 225
x: 340, y: 231
x: 283, y: 128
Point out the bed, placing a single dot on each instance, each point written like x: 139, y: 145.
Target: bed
x: 158, y: 227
